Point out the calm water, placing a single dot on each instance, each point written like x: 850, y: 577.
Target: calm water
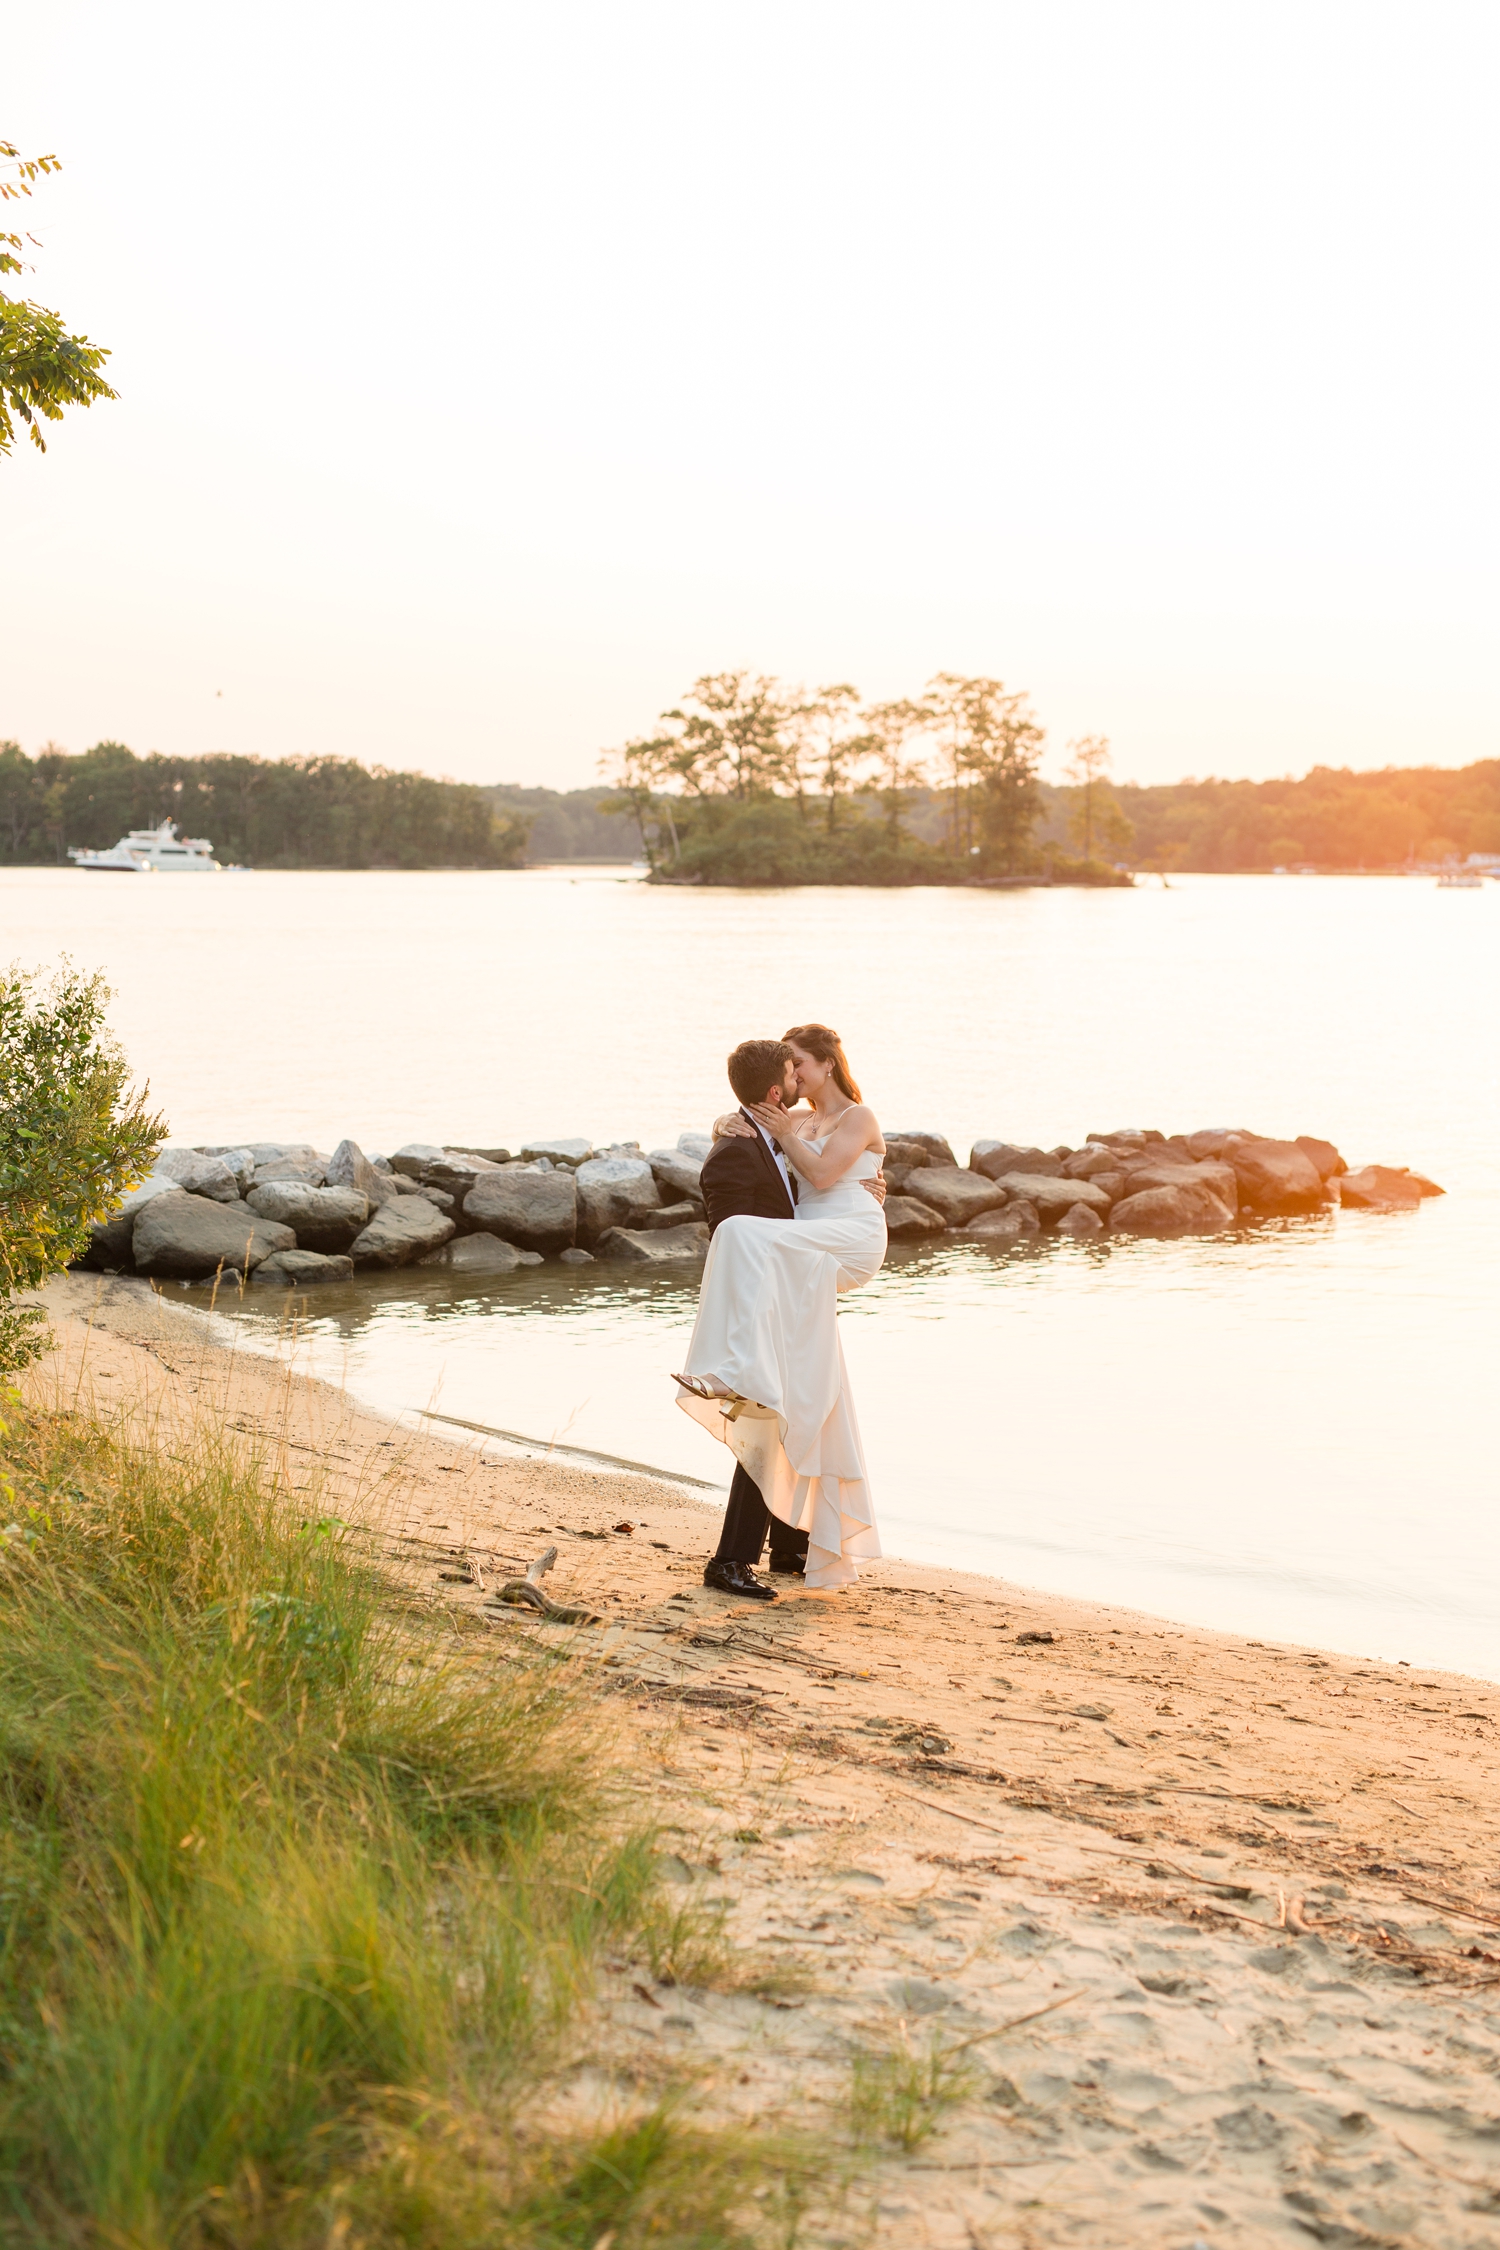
x: 1291, y: 1434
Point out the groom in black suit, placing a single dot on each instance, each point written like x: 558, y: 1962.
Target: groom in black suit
x: 746, y: 1175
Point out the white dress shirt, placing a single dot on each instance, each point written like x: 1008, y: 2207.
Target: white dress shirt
x: 781, y: 1162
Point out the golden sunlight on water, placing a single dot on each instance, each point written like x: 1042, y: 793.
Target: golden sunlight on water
x: 1290, y: 1433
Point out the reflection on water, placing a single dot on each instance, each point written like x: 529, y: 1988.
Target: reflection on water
x: 1246, y: 1431
x: 1289, y: 1433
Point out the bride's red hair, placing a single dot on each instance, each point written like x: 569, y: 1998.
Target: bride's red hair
x: 823, y: 1045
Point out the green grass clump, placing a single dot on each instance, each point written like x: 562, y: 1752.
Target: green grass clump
x: 902, y: 2093
x: 296, y: 1896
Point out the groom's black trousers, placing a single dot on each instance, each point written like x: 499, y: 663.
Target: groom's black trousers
x: 741, y: 1178
x: 746, y: 1522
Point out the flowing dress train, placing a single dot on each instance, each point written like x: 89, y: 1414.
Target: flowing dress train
x: 768, y: 1327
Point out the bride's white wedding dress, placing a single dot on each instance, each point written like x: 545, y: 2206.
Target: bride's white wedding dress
x: 767, y: 1326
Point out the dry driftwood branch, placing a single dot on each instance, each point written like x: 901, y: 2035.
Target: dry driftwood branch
x: 528, y: 1593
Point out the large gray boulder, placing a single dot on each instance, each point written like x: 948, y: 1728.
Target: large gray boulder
x: 955, y: 1195
x: 349, y: 1167
x: 901, y: 1160
x: 300, y: 1269
x: 907, y: 1220
x: 520, y: 1203
x: 1379, y: 1187
x: 1275, y: 1177
x: 613, y: 1191
x: 687, y: 1213
x: 187, y: 1238
x: 480, y: 1253
x: 1087, y: 1163
x: 414, y: 1158
x: 1050, y: 1196
x: 1162, y: 1172
x: 266, y: 1152
x: 1212, y: 1139
x: 670, y: 1246
x: 402, y: 1232
x: 1323, y: 1155
x: 570, y: 1153
x: 1080, y: 1223
x: 939, y: 1151
x: 677, y: 1174
x: 998, y: 1230
x: 241, y: 1162
x: 1191, y: 1207
x: 440, y: 1198
x: 296, y: 1165
x: 110, y: 1239
x: 199, y: 1174
x: 700, y: 1145
x: 453, y: 1171
x: 995, y: 1158
x: 324, y: 1219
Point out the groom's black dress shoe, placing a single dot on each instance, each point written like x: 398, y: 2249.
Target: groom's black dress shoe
x: 736, y: 1578
x: 787, y: 1566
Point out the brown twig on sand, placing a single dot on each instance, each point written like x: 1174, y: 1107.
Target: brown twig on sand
x: 1442, y: 2170
x: 1454, y: 1906
x: 953, y: 1812
x: 977, y: 2038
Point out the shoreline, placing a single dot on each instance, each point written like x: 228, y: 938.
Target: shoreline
x: 1243, y: 1896
x: 1216, y: 1921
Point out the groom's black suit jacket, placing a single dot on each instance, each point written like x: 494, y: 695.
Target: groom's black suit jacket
x: 742, y: 1179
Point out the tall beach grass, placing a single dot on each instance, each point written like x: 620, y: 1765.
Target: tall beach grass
x: 298, y: 1892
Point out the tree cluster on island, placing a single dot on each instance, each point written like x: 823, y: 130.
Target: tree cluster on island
x: 754, y: 781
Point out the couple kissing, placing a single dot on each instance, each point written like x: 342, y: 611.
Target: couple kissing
x: 795, y: 1212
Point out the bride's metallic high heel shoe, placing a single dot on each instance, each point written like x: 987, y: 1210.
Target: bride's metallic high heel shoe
x: 734, y: 1406
x: 699, y: 1388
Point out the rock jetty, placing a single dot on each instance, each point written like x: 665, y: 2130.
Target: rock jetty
x: 1130, y: 1181
x: 285, y: 1214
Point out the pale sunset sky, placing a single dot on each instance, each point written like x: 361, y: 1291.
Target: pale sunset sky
x: 488, y: 371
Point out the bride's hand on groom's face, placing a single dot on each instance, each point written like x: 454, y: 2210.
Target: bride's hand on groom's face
x: 772, y: 1118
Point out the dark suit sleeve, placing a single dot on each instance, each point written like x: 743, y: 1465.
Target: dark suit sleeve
x: 730, y: 1180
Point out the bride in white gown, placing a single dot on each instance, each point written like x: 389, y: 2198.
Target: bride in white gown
x: 765, y: 1371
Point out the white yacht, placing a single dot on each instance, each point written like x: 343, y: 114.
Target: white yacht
x: 152, y: 851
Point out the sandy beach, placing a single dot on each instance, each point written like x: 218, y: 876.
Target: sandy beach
x: 1209, y: 1928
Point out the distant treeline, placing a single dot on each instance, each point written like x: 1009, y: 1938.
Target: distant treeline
x: 261, y: 812
x: 1331, y: 817
x: 567, y: 823
x: 333, y: 812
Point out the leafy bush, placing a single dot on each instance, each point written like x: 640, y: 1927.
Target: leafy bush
x: 77, y: 1136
